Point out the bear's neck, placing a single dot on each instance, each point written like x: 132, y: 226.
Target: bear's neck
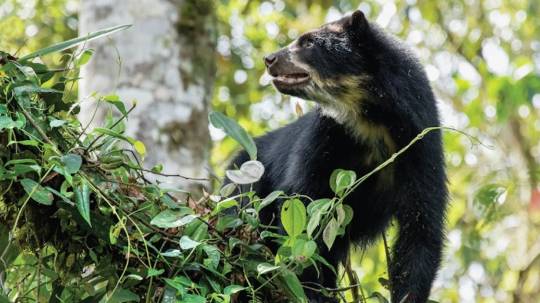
x: 357, y: 126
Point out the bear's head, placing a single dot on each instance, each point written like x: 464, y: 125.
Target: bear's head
x: 327, y: 65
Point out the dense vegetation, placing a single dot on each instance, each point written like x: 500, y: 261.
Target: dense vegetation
x: 77, y: 201
x: 482, y: 57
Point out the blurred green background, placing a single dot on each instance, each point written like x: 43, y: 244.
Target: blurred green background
x: 483, y: 58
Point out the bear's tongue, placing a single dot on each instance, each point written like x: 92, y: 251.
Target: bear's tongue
x: 293, y: 78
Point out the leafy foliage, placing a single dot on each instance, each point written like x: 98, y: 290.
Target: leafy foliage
x: 492, y: 243
x: 81, y: 220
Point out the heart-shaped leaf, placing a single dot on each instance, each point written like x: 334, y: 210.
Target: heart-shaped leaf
x: 170, y: 219
x: 188, y: 243
x: 249, y: 172
x: 37, y: 192
x: 72, y: 163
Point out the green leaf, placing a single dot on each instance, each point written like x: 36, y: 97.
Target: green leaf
x: 330, y: 233
x: 193, y: 299
x: 225, y: 204
x: 293, y: 285
x: 114, y: 231
x: 179, y: 283
x: 84, y: 57
x: 112, y: 133
x: 82, y: 199
x: 170, y: 219
x: 234, y: 130
x: 309, y: 249
x: 348, y: 215
x: 57, y: 123
x: 173, y: 253
x: 321, y: 204
x: 232, y: 289
x: 37, y: 192
x: 7, y: 123
x: 249, y: 172
x: 227, y: 190
x: 298, y: 247
x: 317, y: 209
x: 134, y: 277
x: 264, y: 268
x: 153, y: 272
x: 342, y: 179
x: 115, y: 100
x: 73, y: 42
x: 188, y: 243
x: 313, y: 222
x: 213, y: 254
x: 121, y: 295
x: 293, y: 217
x: 140, y: 148
x: 269, y: 199
x: 33, y: 89
x: 226, y: 222
x: 72, y: 163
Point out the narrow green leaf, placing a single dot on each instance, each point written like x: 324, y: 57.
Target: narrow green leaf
x: 32, y: 89
x: 227, y: 190
x: 73, y: 42
x: 232, y: 289
x: 264, y: 268
x: 225, y: 204
x: 269, y: 199
x: 236, y: 132
x: 313, y: 222
x: 82, y: 199
x: 112, y: 133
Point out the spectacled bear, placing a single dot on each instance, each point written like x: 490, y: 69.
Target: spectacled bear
x: 373, y: 98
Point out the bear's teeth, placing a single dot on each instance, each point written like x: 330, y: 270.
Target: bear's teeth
x: 292, y: 79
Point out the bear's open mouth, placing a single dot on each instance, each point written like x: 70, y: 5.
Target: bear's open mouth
x: 291, y: 79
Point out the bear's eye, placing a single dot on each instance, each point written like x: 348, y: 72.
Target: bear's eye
x: 307, y: 42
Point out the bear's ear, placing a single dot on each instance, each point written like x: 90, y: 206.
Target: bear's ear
x: 357, y: 22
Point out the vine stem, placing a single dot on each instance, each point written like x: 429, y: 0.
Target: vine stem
x: 394, y: 156
x: 124, y: 228
x: 19, y: 213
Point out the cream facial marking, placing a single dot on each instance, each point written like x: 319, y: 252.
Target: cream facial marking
x: 334, y: 27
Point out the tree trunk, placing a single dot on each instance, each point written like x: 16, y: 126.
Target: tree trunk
x: 165, y: 62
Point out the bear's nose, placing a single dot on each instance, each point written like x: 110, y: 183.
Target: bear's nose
x: 269, y: 59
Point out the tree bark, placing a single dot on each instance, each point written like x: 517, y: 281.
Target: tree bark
x: 165, y: 62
